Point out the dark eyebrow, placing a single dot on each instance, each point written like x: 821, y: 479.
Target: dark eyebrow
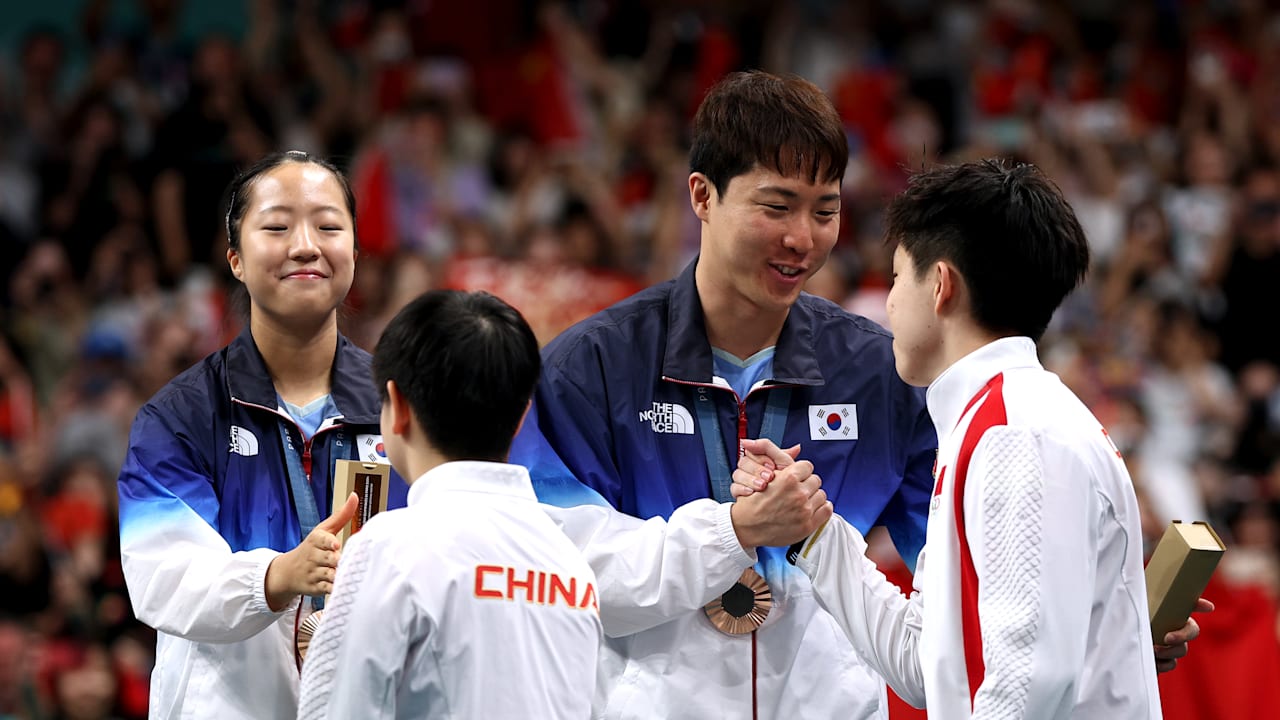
x: 792, y: 194
x: 776, y: 190
x: 289, y: 209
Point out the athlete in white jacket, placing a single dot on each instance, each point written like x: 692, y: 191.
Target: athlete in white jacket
x: 1030, y: 599
x: 470, y: 602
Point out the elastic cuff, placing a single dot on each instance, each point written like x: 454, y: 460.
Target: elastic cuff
x: 729, y: 537
x: 262, y: 558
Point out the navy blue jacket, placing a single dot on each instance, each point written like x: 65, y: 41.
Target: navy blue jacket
x: 616, y: 408
x: 209, y: 442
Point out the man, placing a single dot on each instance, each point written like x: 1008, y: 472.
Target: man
x: 1030, y: 601
x: 645, y: 403
x: 469, y: 602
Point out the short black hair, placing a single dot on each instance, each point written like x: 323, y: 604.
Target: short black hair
x: 780, y: 122
x: 1007, y: 230
x: 468, y: 363
x: 236, y: 195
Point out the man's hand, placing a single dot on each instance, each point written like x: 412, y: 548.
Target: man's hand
x: 1175, y: 643
x: 791, y: 509
x: 309, y: 569
x: 760, y: 458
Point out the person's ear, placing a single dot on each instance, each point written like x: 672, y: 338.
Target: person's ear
x: 701, y: 194
x: 944, y: 286
x: 523, y: 416
x: 237, y: 268
x: 401, y: 413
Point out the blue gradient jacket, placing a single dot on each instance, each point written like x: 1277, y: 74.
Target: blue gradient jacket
x: 205, y: 506
x: 617, y: 409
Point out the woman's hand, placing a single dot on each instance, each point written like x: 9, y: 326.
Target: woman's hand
x: 309, y: 568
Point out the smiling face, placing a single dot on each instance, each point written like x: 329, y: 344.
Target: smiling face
x: 296, y: 254
x: 765, y: 236
x: 913, y: 322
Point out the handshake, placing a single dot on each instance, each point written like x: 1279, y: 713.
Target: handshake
x: 778, y: 499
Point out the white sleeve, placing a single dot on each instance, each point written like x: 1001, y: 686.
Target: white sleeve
x: 356, y: 660
x: 184, y: 581
x: 882, y: 625
x: 182, y: 576
x: 1030, y: 567
x: 652, y: 571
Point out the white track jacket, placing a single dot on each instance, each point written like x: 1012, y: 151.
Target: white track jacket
x: 469, y: 603
x: 1031, y: 599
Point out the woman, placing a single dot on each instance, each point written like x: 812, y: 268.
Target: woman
x: 230, y: 465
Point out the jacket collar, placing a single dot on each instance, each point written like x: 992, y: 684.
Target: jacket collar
x: 688, y: 353
x: 950, y: 393
x: 474, y: 476
x: 351, y: 383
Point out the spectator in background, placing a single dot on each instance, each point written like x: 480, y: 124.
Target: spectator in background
x: 1192, y: 411
x: 1251, y: 270
x: 1199, y: 209
x: 220, y: 127
x: 411, y: 188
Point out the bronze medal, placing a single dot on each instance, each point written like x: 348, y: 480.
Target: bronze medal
x: 743, y: 607
x: 306, y: 632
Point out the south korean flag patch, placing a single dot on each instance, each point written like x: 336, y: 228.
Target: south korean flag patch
x: 833, y: 422
x: 370, y: 449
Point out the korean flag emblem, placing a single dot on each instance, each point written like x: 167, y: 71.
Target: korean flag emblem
x: 370, y: 448
x: 833, y: 422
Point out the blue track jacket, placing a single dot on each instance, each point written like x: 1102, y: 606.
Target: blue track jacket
x: 205, y: 505
x: 617, y: 410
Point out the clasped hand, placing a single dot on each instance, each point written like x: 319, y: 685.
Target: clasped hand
x: 778, y: 500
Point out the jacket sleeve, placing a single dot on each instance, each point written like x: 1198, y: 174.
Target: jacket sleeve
x: 182, y: 576
x: 651, y: 571
x: 568, y: 436
x: 907, y: 513
x: 355, y: 664
x: 1035, y: 573
x: 881, y: 623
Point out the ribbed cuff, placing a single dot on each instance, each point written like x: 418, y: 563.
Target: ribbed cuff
x: 729, y: 537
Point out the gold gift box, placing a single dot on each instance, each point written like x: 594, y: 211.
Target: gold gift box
x: 369, y: 482
x: 1178, y: 572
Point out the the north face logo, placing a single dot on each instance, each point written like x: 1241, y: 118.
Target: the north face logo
x: 243, y: 442
x: 668, y: 418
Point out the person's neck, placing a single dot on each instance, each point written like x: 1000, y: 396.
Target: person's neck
x: 735, y: 325
x: 420, y: 460
x: 961, y: 343
x: 299, y: 358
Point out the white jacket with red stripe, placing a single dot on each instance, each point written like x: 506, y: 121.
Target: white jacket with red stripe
x: 1031, y: 597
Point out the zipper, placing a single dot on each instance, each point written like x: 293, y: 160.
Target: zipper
x: 741, y: 401
x: 306, y: 442
x: 742, y: 435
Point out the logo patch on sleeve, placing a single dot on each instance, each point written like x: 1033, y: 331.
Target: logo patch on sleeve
x: 371, y: 449
x: 833, y: 422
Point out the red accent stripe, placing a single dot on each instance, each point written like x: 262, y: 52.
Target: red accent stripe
x: 755, y: 702
x: 990, y: 413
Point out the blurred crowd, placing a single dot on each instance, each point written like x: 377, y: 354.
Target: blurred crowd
x: 538, y: 150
